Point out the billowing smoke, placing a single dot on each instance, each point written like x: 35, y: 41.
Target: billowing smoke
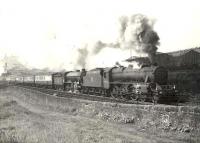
x: 136, y: 32
x: 100, y: 45
x: 140, y: 36
x: 123, y: 24
x: 82, y: 57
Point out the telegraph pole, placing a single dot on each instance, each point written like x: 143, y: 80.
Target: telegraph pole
x: 5, y: 68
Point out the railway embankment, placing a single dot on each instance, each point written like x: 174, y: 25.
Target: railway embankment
x: 144, y: 117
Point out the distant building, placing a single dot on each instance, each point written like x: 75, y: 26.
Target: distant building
x: 188, y: 58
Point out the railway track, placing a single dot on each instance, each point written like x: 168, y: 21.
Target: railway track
x: 65, y: 94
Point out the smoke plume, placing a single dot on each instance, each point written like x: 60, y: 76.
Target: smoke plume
x: 82, y: 56
x: 140, y: 36
x: 136, y: 32
x: 123, y: 24
x: 101, y: 45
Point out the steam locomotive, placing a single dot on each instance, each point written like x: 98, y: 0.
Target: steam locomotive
x: 149, y: 83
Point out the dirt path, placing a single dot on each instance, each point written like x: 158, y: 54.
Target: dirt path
x: 22, y: 122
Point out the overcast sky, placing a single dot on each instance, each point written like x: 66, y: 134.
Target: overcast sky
x: 47, y: 33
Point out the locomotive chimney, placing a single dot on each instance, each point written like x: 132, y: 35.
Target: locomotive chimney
x: 83, y: 72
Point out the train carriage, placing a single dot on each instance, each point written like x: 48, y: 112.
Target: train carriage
x: 11, y: 80
x: 29, y: 80
x: 19, y: 80
x: 43, y: 80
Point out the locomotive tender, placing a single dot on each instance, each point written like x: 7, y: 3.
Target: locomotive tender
x: 149, y: 83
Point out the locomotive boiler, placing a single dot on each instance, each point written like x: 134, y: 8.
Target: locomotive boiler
x: 154, y: 74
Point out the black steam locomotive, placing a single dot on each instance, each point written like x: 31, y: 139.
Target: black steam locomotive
x: 146, y: 83
x: 149, y: 83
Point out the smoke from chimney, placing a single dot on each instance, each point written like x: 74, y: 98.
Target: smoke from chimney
x: 101, y: 45
x: 140, y: 36
x: 82, y: 57
x: 123, y: 24
x: 136, y: 32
